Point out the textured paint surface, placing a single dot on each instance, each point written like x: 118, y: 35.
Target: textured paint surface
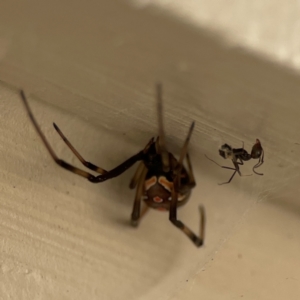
x: 92, y: 70
x: 266, y: 27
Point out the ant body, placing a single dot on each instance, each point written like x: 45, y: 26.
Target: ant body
x: 238, y: 156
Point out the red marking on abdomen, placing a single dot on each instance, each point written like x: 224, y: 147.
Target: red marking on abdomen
x: 157, y: 199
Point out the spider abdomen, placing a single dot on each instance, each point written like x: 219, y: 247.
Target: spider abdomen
x: 158, y: 193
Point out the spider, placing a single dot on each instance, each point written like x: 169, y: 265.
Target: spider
x: 238, y: 156
x: 160, y: 179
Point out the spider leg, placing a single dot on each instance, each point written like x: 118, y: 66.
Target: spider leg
x: 143, y: 212
x: 162, y: 149
x: 197, y: 240
x: 192, y: 182
x: 136, y: 175
x: 95, y: 179
x: 185, y: 189
x: 135, y: 216
x: 184, y: 153
x: 77, y: 154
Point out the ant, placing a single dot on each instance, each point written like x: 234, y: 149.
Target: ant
x: 160, y: 179
x: 238, y: 156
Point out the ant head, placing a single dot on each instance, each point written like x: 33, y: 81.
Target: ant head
x: 257, y: 149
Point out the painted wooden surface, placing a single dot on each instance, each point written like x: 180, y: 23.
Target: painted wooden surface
x: 92, y: 70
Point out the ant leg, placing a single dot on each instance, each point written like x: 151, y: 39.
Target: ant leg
x: 224, y: 167
x: 135, y: 216
x: 237, y: 165
x: 236, y: 170
x: 95, y: 179
x: 229, y: 179
x: 240, y: 163
x: 198, y: 241
x: 136, y: 176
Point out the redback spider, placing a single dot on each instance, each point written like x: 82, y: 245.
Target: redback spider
x: 160, y: 179
x: 239, y: 155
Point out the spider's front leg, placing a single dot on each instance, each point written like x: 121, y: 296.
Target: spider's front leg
x: 105, y: 175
